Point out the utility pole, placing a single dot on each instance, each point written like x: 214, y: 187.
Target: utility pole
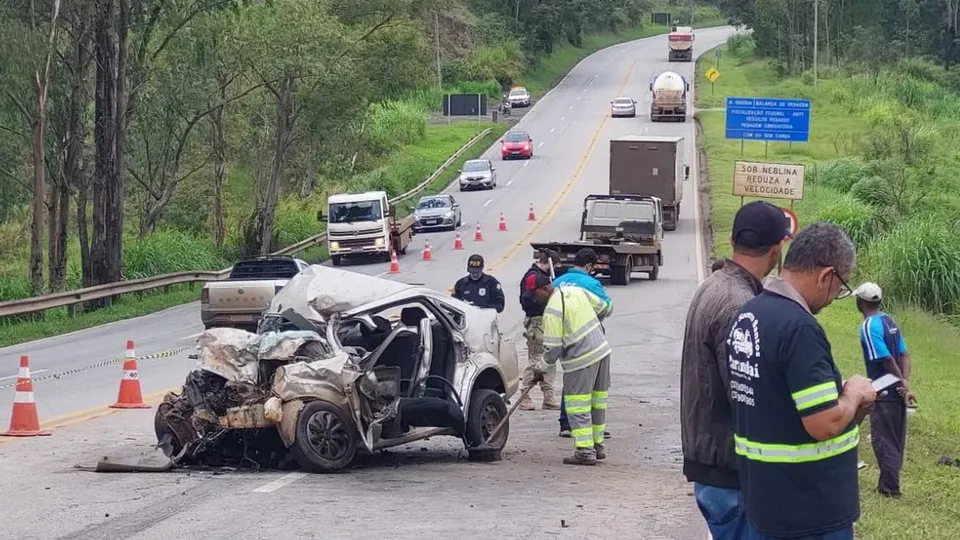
x: 439, y: 70
x: 816, y: 41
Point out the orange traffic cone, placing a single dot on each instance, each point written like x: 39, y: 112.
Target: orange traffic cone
x: 23, y: 419
x: 394, y: 263
x: 458, y: 243
x: 530, y: 215
x: 503, y: 223
x: 130, y: 396
x: 478, y: 236
x: 427, y: 256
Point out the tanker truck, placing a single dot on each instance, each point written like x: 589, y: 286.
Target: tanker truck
x: 680, y: 42
x: 668, y: 97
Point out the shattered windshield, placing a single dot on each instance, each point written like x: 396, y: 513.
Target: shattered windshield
x: 437, y: 202
x: 355, y: 211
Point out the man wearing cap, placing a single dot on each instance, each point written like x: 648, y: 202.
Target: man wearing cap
x: 709, y: 461
x: 581, y: 275
x: 572, y: 336
x: 533, y: 331
x: 477, y: 288
x: 885, y: 352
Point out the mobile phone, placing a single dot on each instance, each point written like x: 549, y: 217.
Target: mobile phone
x: 885, y: 382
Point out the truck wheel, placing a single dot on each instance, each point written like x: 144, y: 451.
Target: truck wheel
x: 655, y: 273
x: 337, y: 260
x: 620, y: 275
x: 487, y: 409
x: 326, y: 439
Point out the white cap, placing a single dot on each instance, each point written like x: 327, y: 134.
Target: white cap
x: 869, y: 291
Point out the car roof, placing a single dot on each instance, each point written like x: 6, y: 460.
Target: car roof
x: 479, y: 160
x: 623, y: 98
x: 515, y: 132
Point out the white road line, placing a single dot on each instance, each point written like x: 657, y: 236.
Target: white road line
x: 488, y: 201
x: 561, y: 118
x: 283, y: 481
x: 511, y: 181
x: 539, y: 145
x: 552, y: 129
x: 191, y: 336
x: 525, y: 163
x: 571, y: 107
x: 32, y: 373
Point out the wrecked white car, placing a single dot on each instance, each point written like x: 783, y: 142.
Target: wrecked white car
x: 343, y: 364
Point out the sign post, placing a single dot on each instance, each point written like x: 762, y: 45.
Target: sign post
x: 717, y: 54
x: 712, y: 75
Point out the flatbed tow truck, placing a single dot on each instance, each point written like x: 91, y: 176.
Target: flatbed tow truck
x: 626, y: 231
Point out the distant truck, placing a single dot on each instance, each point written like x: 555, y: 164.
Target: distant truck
x: 365, y: 224
x: 651, y: 166
x: 239, y: 300
x: 668, y: 97
x: 680, y: 42
x: 626, y: 232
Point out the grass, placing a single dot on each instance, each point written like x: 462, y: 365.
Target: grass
x: 930, y: 508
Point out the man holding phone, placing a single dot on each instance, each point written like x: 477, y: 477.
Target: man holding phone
x: 885, y: 353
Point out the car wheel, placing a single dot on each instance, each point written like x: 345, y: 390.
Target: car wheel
x: 326, y: 440
x: 337, y: 260
x: 459, y: 221
x: 487, y: 409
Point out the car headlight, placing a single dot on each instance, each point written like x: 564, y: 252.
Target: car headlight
x: 449, y: 214
x: 335, y: 246
x: 378, y: 242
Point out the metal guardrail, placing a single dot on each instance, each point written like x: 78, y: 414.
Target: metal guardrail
x: 70, y: 298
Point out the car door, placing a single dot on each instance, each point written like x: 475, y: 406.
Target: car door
x: 456, y: 209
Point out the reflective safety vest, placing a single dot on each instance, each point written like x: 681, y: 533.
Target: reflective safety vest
x: 571, y: 328
x: 797, y: 453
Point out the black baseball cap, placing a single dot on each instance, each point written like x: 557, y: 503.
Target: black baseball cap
x: 541, y: 280
x: 475, y: 263
x: 760, y: 224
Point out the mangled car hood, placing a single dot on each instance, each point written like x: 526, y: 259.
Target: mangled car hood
x: 319, y: 291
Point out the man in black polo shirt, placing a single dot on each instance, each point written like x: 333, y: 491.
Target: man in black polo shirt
x: 796, y: 423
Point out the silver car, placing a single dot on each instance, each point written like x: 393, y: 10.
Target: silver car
x: 343, y: 364
x: 478, y: 174
x: 437, y: 212
x: 623, y: 106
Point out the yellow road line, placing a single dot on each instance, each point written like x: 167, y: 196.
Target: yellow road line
x: 100, y: 411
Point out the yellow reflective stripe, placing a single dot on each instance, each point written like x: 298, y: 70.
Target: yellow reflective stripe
x: 599, y: 428
x: 815, y: 395
x: 577, y: 398
x: 799, y: 453
x: 583, y: 437
x: 578, y: 410
x: 602, y: 394
x: 599, y: 405
x: 574, y: 337
x: 590, y: 357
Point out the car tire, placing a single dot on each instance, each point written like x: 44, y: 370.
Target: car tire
x: 459, y: 222
x: 326, y: 439
x: 655, y: 273
x: 619, y: 274
x: 487, y: 409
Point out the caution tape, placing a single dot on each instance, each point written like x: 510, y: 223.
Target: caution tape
x: 105, y: 363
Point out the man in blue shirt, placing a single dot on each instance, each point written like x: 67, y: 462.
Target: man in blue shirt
x: 884, y: 351
x: 581, y: 275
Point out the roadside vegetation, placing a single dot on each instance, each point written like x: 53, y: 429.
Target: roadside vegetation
x: 881, y: 163
x: 375, y: 129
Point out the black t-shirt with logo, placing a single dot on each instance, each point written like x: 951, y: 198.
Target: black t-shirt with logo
x: 781, y: 370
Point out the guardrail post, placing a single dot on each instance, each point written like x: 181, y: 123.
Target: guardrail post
x: 72, y: 310
x: 166, y: 289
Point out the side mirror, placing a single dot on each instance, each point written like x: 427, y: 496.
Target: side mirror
x: 320, y: 216
x: 493, y: 168
x: 501, y: 140
x: 530, y: 139
x: 651, y: 87
x: 687, y: 87
x: 686, y: 172
x: 391, y: 211
x: 459, y: 171
x: 455, y: 206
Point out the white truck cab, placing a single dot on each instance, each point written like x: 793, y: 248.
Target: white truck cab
x: 363, y: 223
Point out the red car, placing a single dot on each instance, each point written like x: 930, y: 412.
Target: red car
x: 516, y: 144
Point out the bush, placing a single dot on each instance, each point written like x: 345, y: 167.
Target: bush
x: 14, y: 289
x: 295, y: 222
x: 168, y: 251
x: 741, y: 45
x: 857, y: 219
x: 918, y: 263
x: 873, y: 190
x: 840, y: 174
x: 396, y: 123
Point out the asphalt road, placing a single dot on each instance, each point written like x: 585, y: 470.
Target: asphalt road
x: 425, y: 489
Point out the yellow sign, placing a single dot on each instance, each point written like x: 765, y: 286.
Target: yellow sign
x: 712, y: 75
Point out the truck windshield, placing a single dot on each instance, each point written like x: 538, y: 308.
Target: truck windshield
x: 355, y: 211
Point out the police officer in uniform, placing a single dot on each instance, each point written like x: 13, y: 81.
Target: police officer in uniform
x: 481, y: 290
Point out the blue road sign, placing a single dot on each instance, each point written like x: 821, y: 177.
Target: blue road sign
x: 768, y: 119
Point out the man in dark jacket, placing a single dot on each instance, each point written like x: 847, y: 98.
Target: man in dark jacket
x: 533, y: 332
x: 759, y: 230
x: 481, y: 290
